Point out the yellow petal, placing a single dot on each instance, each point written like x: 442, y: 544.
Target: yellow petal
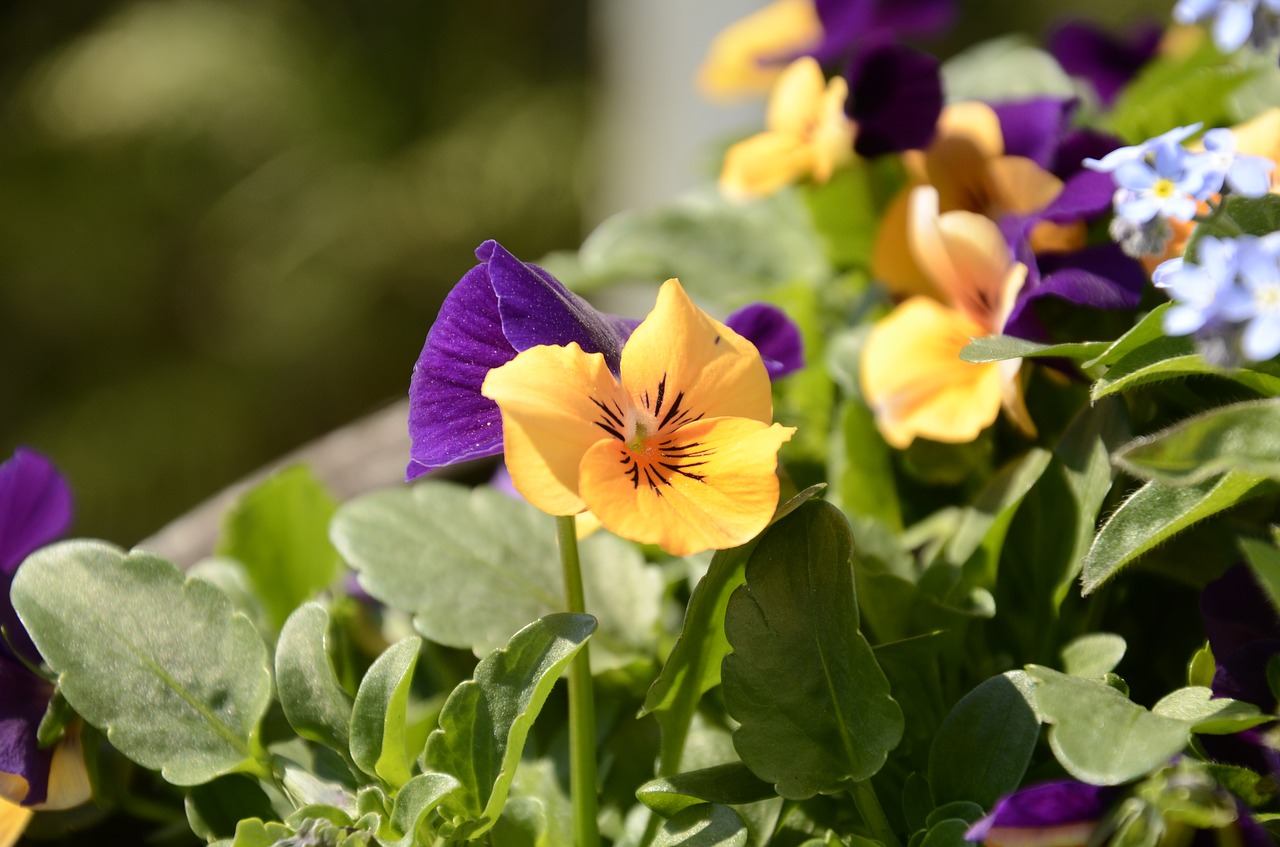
x: 713, y: 485
x: 764, y: 163
x: 13, y: 787
x: 966, y: 256
x: 915, y: 381
x: 682, y: 364
x: 13, y: 821
x: 832, y: 135
x: 796, y: 98
x: 968, y: 137
x: 1260, y: 136
x: 891, y: 261
x: 68, y: 780
x: 556, y: 402
x: 1019, y: 185
x: 733, y: 68
x: 1013, y: 399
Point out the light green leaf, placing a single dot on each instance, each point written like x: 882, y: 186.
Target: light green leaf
x: 703, y: 825
x: 860, y: 467
x: 1098, y: 735
x: 1248, y: 215
x: 485, y: 720
x: 1094, y: 655
x: 982, y: 749
x: 415, y: 800
x: 1154, y: 513
x: 1174, y: 358
x: 253, y: 832
x: 1239, y: 437
x: 1264, y: 561
x: 1149, y: 328
x: 731, y: 784
x: 796, y: 618
x: 279, y: 531
x: 998, y: 348
x: 177, y: 680
x: 314, y: 702
x: 1208, y: 714
x: 1007, y: 68
x: 846, y: 208
x: 379, y: 715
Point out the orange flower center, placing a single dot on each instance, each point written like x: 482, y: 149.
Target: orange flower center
x: 649, y: 452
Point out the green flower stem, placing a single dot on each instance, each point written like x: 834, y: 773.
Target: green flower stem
x: 864, y: 797
x: 582, y: 718
x: 1219, y: 218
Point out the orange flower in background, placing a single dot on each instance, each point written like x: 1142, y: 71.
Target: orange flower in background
x: 738, y: 61
x: 807, y: 135
x: 678, y: 451
x: 912, y: 375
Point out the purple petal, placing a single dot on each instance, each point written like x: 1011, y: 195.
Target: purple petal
x: 1242, y: 673
x: 1046, y: 805
x: 849, y: 25
x: 1096, y: 277
x: 895, y: 96
x: 774, y: 334
x: 1086, y: 195
x: 35, y: 506
x: 1079, y: 145
x: 915, y: 18
x: 24, y: 697
x: 1235, y: 612
x: 1108, y: 62
x: 1033, y: 128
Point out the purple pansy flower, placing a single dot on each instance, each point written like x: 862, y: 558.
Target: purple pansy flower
x: 504, y: 306
x: 35, y: 509
x: 1062, y: 812
x: 895, y: 97
x: 847, y: 25
x: 1107, y: 61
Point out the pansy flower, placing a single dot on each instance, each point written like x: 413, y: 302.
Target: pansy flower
x: 678, y: 449
x: 503, y: 306
x: 1061, y: 813
x: 1107, y: 61
x: 35, y: 509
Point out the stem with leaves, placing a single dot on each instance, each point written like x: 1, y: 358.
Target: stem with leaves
x: 868, y: 804
x: 582, y: 720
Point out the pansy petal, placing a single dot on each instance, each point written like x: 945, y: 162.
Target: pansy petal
x: 773, y: 333
x: 35, y: 506
x: 556, y: 402
x: 1037, y: 814
x: 764, y: 163
x: 892, y: 263
x: 1021, y: 186
x: 795, y: 97
x: 69, y: 784
x: 915, y: 381
x: 1234, y: 611
x: 682, y: 361
x: 968, y: 137
x: 24, y: 697
x: 13, y: 822
x: 896, y: 97
x: 1032, y: 128
x: 746, y: 56
x: 1260, y: 136
x: 719, y: 490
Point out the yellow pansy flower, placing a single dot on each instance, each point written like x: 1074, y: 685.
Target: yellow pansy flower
x: 678, y: 450
x: 738, y: 61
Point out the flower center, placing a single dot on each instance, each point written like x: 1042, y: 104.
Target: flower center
x: 1267, y: 297
x: 1163, y: 188
x: 649, y: 453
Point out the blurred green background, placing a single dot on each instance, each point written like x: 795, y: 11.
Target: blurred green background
x: 226, y: 225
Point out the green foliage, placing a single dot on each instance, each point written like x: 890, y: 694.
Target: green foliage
x: 704, y: 825
x: 378, y: 716
x: 163, y: 665
x: 1093, y: 656
x: 796, y: 618
x: 314, y: 702
x: 732, y: 784
x: 1238, y: 215
x: 485, y: 720
x: 998, y: 348
x: 279, y: 531
x: 1242, y: 437
x: 1006, y: 68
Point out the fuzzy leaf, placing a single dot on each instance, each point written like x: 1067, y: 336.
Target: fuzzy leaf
x: 1094, y: 655
x: 796, y: 618
x: 731, y: 784
x: 704, y: 825
x: 163, y: 664
x: 378, y: 717
x: 998, y: 348
x: 415, y: 800
x: 313, y: 700
x: 1239, y: 437
x: 982, y: 749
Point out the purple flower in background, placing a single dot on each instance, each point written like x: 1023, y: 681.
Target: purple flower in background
x: 503, y: 306
x: 895, y: 97
x: 35, y: 509
x: 847, y: 25
x: 1060, y: 813
x: 1107, y: 61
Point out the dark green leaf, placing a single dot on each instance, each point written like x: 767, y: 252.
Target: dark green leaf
x: 378, y: 717
x: 983, y: 747
x: 1174, y: 358
x: 1239, y: 437
x: 998, y: 348
x: 214, y: 808
x: 703, y: 825
x: 860, y: 467
x: 1248, y: 215
x: 947, y: 833
x: 279, y: 531
x: 1153, y: 514
x: 162, y: 664
x: 485, y: 720
x: 1148, y: 329
x: 1264, y: 561
x: 731, y: 784
x: 796, y: 618
x: 965, y: 810
x: 314, y: 703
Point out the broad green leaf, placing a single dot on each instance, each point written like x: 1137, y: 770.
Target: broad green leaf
x: 214, y: 808
x: 983, y: 526
x: 860, y: 467
x: 486, y: 719
x: 473, y: 566
x: 998, y: 348
x: 917, y: 801
x: 796, y: 618
x: 415, y: 800
x: 1239, y: 437
x: 846, y: 208
x: 1174, y: 358
x: 1098, y: 735
x: 1007, y: 68
x: 523, y: 823
x: 314, y: 703
x: 731, y: 784
x: 703, y: 825
x: 1094, y: 655
x: 965, y: 810
x: 279, y: 531
x: 1264, y: 561
x: 379, y: 715
x: 1208, y: 714
x: 982, y: 749
x: 1248, y: 215
x: 948, y: 832
x: 1149, y: 328
x: 163, y: 664
x: 1154, y: 513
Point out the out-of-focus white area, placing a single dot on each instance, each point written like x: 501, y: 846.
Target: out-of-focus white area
x: 656, y: 136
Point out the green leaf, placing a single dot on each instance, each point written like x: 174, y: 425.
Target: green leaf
x: 947, y: 833
x: 486, y: 719
x: 379, y: 715
x: 846, y: 208
x: 1174, y: 358
x: 214, y: 808
x: 982, y: 749
x: 1006, y: 68
x: 1094, y: 655
x: 1098, y: 735
x: 177, y: 680
x: 731, y: 784
x: 983, y: 526
x: 860, y: 467
x: 279, y: 531
x: 314, y: 702
x: 415, y: 801
x: 796, y: 618
x: 998, y: 348
x: 1248, y: 215
x: 253, y: 832
x: 703, y: 825
x: 1239, y: 437
x: 1155, y: 513
x: 1208, y: 714
x: 1264, y: 561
